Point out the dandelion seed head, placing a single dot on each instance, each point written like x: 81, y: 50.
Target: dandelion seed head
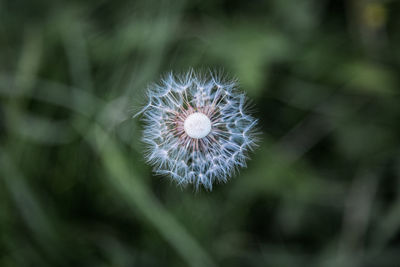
x: 197, y: 130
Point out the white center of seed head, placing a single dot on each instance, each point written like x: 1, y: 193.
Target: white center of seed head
x: 197, y: 125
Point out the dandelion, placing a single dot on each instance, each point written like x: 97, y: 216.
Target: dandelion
x: 197, y: 130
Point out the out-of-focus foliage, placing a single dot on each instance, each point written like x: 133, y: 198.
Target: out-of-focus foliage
x: 323, y: 188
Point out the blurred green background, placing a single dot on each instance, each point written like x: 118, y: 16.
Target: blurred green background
x: 322, y: 189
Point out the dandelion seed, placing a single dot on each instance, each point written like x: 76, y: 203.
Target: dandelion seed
x: 197, y: 130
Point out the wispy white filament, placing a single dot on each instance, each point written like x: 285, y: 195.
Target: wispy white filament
x: 197, y: 130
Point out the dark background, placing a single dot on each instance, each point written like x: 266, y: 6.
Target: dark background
x: 322, y: 189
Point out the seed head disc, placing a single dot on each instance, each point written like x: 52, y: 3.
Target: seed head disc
x: 197, y: 125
